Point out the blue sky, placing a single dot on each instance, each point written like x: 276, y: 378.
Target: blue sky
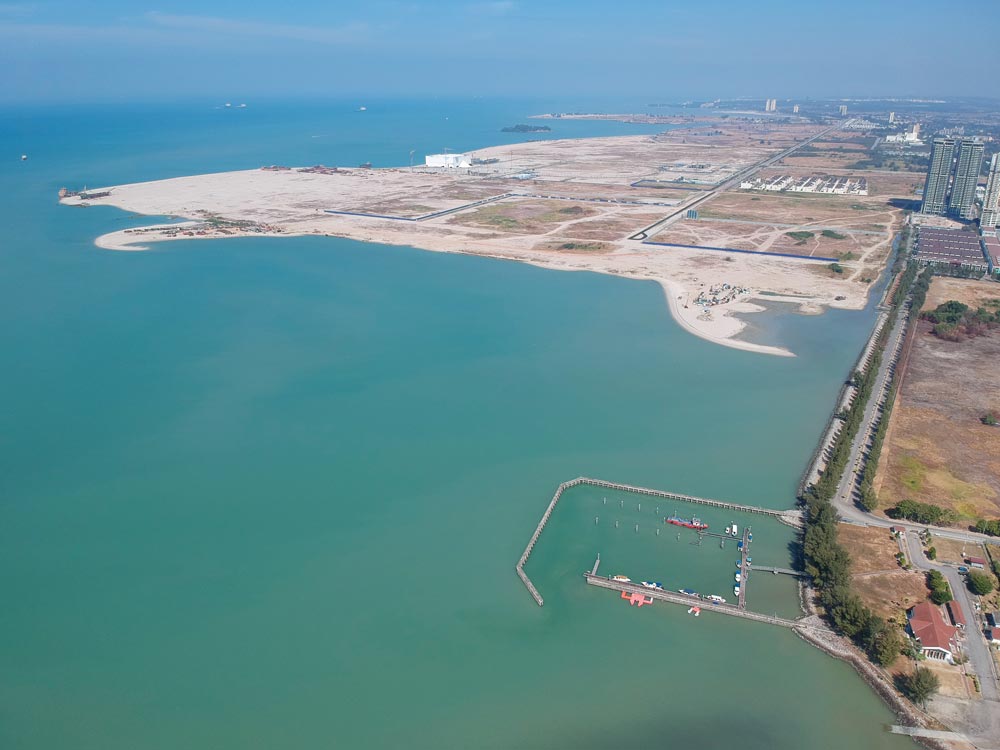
x: 113, y: 49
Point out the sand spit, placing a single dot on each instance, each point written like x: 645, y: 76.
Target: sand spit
x: 550, y: 216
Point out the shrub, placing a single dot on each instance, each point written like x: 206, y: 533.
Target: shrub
x: 940, y: 590
x: 988, y: 527
x: 979, y: 583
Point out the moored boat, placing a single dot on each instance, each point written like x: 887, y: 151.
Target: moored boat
x: 688, y: 523
x: 736, y: 590
x: 652, y: 584
x: 621, y: 579
x: 715, y: 598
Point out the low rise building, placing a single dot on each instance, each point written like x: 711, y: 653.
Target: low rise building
x: 448, y: 161
x: 955, y: 612
x: 937, y: 638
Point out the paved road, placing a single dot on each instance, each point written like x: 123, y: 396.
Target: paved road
x: 722, y: 187
x: 846, y: 498
x: 975, y: 644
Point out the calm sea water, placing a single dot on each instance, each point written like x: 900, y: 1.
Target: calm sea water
x: 270, y: 492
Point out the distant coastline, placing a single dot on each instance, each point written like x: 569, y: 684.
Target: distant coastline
x: 522, y: 128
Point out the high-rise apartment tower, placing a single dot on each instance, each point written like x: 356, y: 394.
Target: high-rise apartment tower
x: 962, y: 203
x: 938, y: 174
x: 991, y: 203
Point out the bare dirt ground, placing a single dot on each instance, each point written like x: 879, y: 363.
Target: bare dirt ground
x: 877, y: 578
x: 936, y: 449
x: 955, y: 551
x: 805, y: 240
x: 573, y: 209
x: 967, y: 291
x: 804, y: 209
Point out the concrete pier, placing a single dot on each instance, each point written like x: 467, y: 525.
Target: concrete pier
x: 792, y: 517
x: 690, y: 601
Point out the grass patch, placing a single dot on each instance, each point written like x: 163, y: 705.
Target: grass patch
x: 831, y: 235
x: 913, y: 473
x: 800, y: 237
x: 848, y: 256
x: 836, y: 268
x: 590, y: 247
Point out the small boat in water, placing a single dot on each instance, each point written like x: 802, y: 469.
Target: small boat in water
x: 739, y: 563
x: 688, y: 523
x: 736, y: 590
x: 739, y: 577
x: 621, y: 579
x: 715, y: 599
x: 689, y: 592
x: 736, y: 530
x: 749, y: 536
x: 652, y: 584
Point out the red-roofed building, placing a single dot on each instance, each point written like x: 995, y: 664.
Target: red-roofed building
x: 993, y: 636
x: 977, y: 562
x: 955, y: 611
x: 928, y: 626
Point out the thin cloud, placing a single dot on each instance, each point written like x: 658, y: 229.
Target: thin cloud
x: 496, y: 8
x: 348, y: 33
x: 17, y: 10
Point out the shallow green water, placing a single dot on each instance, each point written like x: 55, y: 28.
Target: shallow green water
x: 270, y: 493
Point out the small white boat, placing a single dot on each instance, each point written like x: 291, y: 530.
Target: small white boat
x: 621, y: 579
x: 229, y: 104
x: 716, y: 599
x: 362, y: 109
x: 24, y: 157
x: 652, y: 585
x: 736, y: 530
x: 739, y: 578
x: 736, y: 590
x: 729, y: 530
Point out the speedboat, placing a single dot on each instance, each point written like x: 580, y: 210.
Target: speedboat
x: 652, y: 584
x: 739, y: 578
x: 736, y: 590
x: 621, y: 579
x: 715, y: 598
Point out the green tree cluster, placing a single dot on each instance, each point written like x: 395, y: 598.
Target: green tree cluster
x: 927, y: 513
x: 988, y: 527
x: 920, y: 685
x: 940, y: 590
x: 955, y: 321
x: 979, y: 583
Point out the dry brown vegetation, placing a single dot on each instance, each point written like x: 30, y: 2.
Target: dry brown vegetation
x: 523, y: 216
x: 877, y: 578
x: 936, y: 450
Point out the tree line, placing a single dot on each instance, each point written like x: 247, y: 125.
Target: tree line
x: 826, y: 560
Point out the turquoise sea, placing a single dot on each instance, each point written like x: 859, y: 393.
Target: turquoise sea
x: 265, y: 493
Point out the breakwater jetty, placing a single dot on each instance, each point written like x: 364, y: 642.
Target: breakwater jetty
x: 791, y: 517
x: 689, y: 601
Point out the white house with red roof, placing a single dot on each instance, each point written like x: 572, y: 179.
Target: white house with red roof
x: 937, y: 638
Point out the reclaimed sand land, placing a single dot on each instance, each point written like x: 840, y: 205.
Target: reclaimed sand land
x: 936, y: 449
x: 561, y: 204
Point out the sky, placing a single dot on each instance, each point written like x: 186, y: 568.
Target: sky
x: 58, y: 50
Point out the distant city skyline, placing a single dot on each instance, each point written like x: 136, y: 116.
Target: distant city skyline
x: 62, y: 50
